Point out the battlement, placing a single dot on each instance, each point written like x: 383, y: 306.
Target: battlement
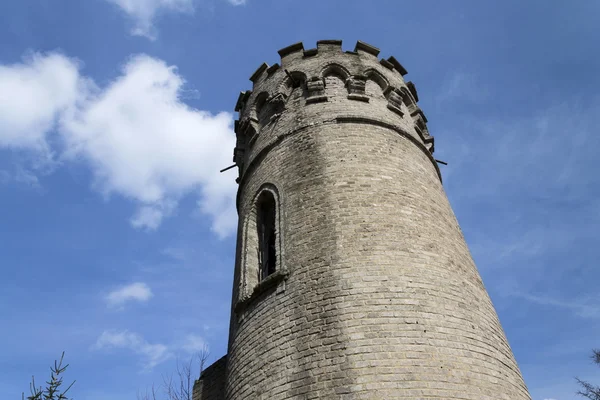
x: 359, y: 75
x: 298, y: 62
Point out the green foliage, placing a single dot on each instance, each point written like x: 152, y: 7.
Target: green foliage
x: 53, y: 386
x: 588, y: 390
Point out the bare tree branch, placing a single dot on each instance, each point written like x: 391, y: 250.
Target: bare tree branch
x: 181, y: 386
x: 590, y: 391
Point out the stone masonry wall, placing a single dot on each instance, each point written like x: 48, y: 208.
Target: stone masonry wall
x: 377, y: 295
x: 211, y: 384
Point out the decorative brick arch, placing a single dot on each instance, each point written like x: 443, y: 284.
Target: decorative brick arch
x: 250, y: 277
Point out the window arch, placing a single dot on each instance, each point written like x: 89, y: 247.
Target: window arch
x: 265, y: 224
x: 293, y: 86
x: 334, y: 78
x: 294, y: 80
x: 408, y: 100
x: 260, y: 111
x: 378, y: 78
x: 337, y: 70
x: 262, y: 250
x: 376, y: 84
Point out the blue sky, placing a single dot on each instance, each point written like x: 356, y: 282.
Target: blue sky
x: 117, y: 231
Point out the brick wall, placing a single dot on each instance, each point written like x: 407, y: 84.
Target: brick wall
x: 211, y: 385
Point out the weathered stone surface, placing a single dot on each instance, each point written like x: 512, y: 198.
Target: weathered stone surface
x: 381, y: 298
x: 211, y: 384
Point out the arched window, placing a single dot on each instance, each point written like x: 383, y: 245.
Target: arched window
x: 267, y: 243
x: 376, y: 84
x: 262, y: 250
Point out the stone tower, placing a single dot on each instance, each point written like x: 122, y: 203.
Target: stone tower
x: 352, y: 279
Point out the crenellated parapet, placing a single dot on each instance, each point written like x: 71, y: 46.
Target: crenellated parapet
x: 327, y: 74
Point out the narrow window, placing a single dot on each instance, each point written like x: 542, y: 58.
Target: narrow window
x: 261, y: 252
x: 267, y: 255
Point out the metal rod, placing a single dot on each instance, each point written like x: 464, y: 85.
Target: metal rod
x: 225, y: 169
x: 291, y: 77
x: 441, y: 162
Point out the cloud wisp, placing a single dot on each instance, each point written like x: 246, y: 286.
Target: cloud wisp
x: 143, y: 13
x: 527, y: 185
x: 461, y: 86
x: 583, y: 307
x: 138, y: 292
x: 194, y: 344
x: 138, y: 137
x: 151, y: 354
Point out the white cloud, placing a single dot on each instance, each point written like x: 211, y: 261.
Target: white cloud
x: 27, y: 178
x: 137, y: 291
x: 516, y: 153
x: 584, y: 307
x: 461, y: 86
x: 138, y: 137
x: 34, y: 93
x: 175, y: 253
x: 147, y: 217
x: 21, y: 176
x: 152, y: 354
x: 145, y: 144
x: 143, y: 12
x: 237, y: 2
x: 194, y: 344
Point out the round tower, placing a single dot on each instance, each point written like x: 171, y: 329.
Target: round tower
x: 353, y: 279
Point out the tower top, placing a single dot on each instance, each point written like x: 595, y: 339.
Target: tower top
x: 305, y: 76
x: 362, y: 61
